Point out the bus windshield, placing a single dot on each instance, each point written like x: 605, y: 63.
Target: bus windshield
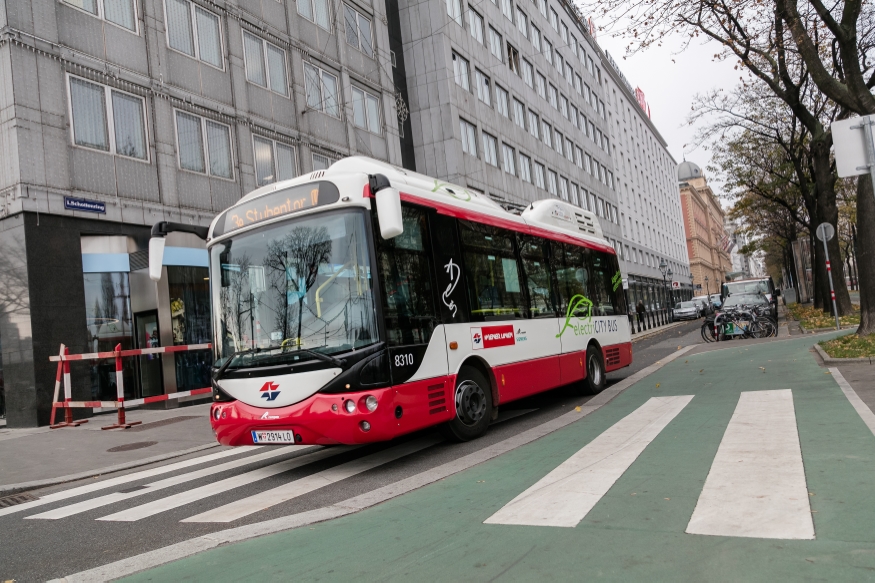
x: 301, y: 284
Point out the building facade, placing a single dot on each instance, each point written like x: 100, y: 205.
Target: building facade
x: 116, y: 114
x: 650, y: 212
x: 706, y: 237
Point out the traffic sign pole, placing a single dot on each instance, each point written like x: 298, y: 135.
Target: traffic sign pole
x: 825, y: 232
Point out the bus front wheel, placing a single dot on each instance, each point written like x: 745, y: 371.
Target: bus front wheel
x: 473, y: 400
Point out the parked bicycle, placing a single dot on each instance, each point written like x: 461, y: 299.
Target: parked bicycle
x: 742, y: 316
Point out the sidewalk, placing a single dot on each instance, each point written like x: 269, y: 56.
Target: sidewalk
x: 640, y: 528
x: 41, y: 456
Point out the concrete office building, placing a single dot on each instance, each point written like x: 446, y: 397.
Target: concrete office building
x: 116, y: 114
x: 650, y: 212
x: 509, y: 98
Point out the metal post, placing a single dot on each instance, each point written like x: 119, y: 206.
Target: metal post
x: 832, y: 292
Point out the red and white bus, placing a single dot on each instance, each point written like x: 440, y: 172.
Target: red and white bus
x: 363, y: 302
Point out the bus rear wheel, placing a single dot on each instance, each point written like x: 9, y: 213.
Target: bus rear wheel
x: 473, y: 400
x: 594, y: 382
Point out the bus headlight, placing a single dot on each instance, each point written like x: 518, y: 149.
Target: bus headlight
x: 349, y: 406
x: 371, y: 403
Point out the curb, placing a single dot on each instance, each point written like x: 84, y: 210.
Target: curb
x: 25, y: 486
x: 653, y: 332
x: 818, y: 330
x: 827, y: 359
x: 193, y: 546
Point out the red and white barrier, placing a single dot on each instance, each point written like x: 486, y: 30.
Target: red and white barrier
x: 68, y: 404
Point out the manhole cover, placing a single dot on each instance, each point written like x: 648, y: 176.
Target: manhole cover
x: 130, y: 446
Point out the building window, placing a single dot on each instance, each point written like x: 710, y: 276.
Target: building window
x: 542, y: 7
x: 257, y: 53
x: 548, y: 51
x: 484, y: 91
x: 358, y: 30
x: 601, y: 208
x: 513, y: 59
x: 525, y: 168
x: 495, y: 44
x: 588, y: 163
x: 578, y: 84
x: 611, y: 180
x: 557, y: 141
x: 193, y: 31
x: 475, y: 25
x: 454, y: 9
x: 204, y: 146
x: 507, y: 9
x: 563, y: 188
x: 533, y: 124
x: 565, y: 34
x: 490, y: 145
x: 541, y: 85
x: 539, y: 175
x: 321, y: 90
x: 587, y: 93
x: 274, y: 161
x: 573, y: 45
x: 573, y: 117
x: 569, y: 150
x: 120, y: 12
x: 107, y: 119
x: 569, y: 74
x: 528, y: 73
x: 551, y: 96
x: 460, y: 72
x: 366, y: 110
x: 563, y: 106
x: 575, y: 199
x: 591, y: 202
x: 469, y: 137
x: 578, y: 156
x: 315, y: 11
x: 536, y: 38
x: 551, y: 182
x: 519, y: 113
x: 321, y: 162
x: 614, y: 215
x: 554, y: 20
x: 560, y: 64
x: 547, y: 133
x: 590, y: 65
x: 522, y: 23
x: 501, y: 98
x: 509, y: 161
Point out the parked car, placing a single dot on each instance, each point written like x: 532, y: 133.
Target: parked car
x: 761, y: 285
x: 716, y: 301
x: 687, y: 311
x: 704, y: 304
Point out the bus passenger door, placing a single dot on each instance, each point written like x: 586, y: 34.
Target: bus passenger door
x: 416, y: 340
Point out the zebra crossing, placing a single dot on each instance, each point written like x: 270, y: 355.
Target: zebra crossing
x: 755, y: 487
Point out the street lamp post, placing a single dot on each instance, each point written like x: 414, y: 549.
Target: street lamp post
x: 666, y: 271
x: 692, y: 287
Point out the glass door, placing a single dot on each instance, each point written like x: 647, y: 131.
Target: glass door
x: 148, y: 365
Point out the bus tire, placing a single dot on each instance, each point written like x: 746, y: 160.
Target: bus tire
x: 594, y: 383
x: 473, y: 404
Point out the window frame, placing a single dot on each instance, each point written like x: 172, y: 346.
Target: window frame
x: 508, y: 159
x: 472, y: 15
x: 458, y: 74
x: 110, y: 120
x: 462, y: 123
x: 273, y: 145
x: 322, y: 91
x: 484, y: 87
x: 205, y: 144
x: 313, y: 13
x: 194, y: 34
x: 490, y: 152
x: 360, y: 15
x: 101, y: 15
x: 264, y: 55
x: 365, y: 95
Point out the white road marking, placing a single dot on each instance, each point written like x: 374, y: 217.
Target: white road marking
x: 756, y: 486
x: 189, y: 496
x: 93, y: 503
x: 857, y: 403
x: 93, y: 487
x: 565, y: 495
x: 252, y: 504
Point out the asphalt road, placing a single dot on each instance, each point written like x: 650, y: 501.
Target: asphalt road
x: 37, y: 549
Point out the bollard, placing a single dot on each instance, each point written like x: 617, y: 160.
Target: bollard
x: 120, y: 393
x: 68, y: 396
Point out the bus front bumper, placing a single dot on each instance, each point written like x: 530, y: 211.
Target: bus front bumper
x: 318, y: 420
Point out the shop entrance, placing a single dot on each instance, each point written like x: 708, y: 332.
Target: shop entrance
x: 146, y: 334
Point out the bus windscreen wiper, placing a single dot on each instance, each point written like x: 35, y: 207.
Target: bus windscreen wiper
x: 317, y: 355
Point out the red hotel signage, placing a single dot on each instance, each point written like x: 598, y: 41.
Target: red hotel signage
x: 492, y: 337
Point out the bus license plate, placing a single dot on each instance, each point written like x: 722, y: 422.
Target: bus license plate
x: 268, y: 437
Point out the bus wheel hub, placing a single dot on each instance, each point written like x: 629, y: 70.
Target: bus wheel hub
x: 470, y: 403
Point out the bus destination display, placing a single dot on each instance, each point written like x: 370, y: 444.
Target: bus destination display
x: 277, y: 204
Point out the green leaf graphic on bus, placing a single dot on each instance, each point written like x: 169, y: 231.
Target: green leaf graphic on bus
x: 617, y: 280
x: 579, y: 308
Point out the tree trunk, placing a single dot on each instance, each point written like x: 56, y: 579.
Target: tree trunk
x: 866, y: 254
x: 818, y: 273
x: 828, y: 212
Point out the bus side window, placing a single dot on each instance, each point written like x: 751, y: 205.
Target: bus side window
x: 571, y: 264
x: 491, y: 272
x: 405, y: 272
x: 539, y: 277
x: 603, y: 296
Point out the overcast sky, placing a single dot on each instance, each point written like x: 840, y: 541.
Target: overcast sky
x: 671, y: 86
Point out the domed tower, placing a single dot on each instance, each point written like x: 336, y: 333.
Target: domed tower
x: 690, y: 171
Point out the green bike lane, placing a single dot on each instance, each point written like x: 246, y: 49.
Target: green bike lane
x: 636, y: 531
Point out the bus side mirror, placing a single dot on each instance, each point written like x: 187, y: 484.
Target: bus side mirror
x: 389, y: 212
x: 156, y: 257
